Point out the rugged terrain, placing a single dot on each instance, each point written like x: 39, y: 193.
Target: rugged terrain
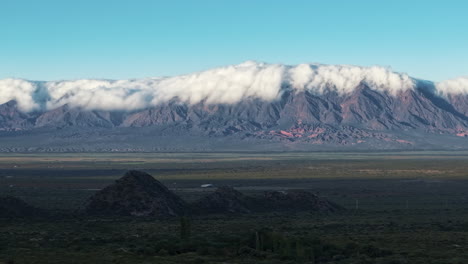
x: 366, y: 116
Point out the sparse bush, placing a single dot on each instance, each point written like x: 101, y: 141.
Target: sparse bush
x: 163, y: 252
x: 198, y: 260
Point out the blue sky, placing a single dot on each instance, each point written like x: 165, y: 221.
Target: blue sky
x: 58, y: 39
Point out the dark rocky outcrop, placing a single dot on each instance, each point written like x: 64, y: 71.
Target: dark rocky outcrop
x: 136, y: 194
x: 227, y: 200
x: 296, y: 200
x: 139, y: 194
x: 12, y: 207
x: 223, y: 200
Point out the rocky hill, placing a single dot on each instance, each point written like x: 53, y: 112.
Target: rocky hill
x: 136, y: 194
x: 227, y: 200
x: 139, y: 194
x: 296, y: 200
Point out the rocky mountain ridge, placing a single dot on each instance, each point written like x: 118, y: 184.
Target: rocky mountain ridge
x: 383, y: 111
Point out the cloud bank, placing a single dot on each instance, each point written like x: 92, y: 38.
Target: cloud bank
x: 225, y: 85
x: 453, y: 87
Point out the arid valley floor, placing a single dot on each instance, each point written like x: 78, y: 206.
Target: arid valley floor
x: 401, y: 207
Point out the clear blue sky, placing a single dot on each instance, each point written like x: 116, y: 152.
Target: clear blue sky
x: 61, y: 39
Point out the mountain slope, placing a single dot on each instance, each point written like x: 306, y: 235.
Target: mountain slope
x: 374, y: 114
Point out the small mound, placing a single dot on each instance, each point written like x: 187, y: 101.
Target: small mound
x: 136, y: 194
x: 225, y: 200
x: 297, y: 200
x: 12, y: 207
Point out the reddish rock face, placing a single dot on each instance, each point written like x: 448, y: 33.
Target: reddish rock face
x: 297, y: 120
x: 11, y: 119
x: 459, y: 103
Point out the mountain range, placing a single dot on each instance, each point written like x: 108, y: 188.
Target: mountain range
x: 316, y: 109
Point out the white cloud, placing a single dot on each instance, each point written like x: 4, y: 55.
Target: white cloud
x: 225, y: 85
x: 345, y: 78
x: 99, y: 94
x: 455, y: 86
x: 19, y: 90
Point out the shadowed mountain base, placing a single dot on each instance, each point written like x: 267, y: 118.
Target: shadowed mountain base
x: 12, y: 207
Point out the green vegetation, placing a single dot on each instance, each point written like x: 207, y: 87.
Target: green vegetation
x: 412, y: 208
